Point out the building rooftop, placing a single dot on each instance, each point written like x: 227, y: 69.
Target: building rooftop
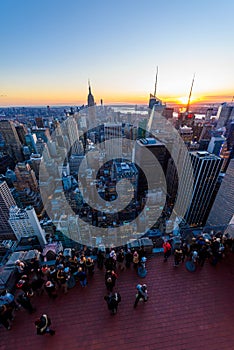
x: 185, y: 311
x: 125, y: 169
x: 149, y: 141
x: 204, y: 155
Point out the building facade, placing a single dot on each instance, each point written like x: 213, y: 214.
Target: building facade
x: 113, y: 139
x: 223, y: 208
x: 6, y: 201
x: 24, y: 223
x: 12, y: 140
x: 206, y: 169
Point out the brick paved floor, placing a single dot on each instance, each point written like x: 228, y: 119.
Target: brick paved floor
x: 185, y: 311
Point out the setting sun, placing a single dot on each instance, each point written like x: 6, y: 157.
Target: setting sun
x: 184, y: 100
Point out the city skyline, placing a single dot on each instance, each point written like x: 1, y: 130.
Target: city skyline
x: 50, y: 50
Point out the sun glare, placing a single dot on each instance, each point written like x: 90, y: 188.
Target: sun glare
x: 184, y: 100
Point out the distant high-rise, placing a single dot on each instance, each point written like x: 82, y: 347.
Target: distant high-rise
x: 206, y: 132
x: 224, y: 115
x: 230, y: 135
x: 43, y: 133
x: 225, y: 154
x: 73, y: 134
x: 25, y: 178
x: 35, y: 161
x: 21, y: 131
x: 31, y: 140
x: 223, y: 207
x: 156, y: 120
x: 206, y: 169
x: 90, y: 98
x: 209, y: 113
x: 91, y: 110
x: 113, y: 137
x: 27, y: 187
x: 6, y: 201
x: 186, y: 133
x: 215, y: 145
x: 39, y: 122
x: 12, y: 140
x: 168, y: 112
x: 40, y: 145
x: 24, y: 223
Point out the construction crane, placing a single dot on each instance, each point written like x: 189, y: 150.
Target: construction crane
x: 186, y: 117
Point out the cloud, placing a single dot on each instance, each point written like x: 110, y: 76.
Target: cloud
x: 3, y: 95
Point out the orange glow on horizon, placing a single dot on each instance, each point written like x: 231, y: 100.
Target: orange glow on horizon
x: 76, y: 98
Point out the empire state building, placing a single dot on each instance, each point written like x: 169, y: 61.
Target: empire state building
x: 91, y: 110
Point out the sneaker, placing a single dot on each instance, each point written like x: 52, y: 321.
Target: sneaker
x: 9, y: 328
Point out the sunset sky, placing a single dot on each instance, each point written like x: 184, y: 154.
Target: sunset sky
x: 49, y: 50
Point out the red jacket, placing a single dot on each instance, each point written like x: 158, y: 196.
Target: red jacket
x: 166, y: 246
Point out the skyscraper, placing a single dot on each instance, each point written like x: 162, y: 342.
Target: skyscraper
x: 147, y: 153
x: 6, y: 201
x: 230, y: 135
x: 21, y: 131
x: 224, y: 115
x: 27, y: 187
x: 91, y: 110
x: 25, y: 178
x: 206, y: 169
x: 215, y: 145
x: 73, y: 135
x: 24, y: 223
x: 90, y: 97
x: 223, y: 208
x: 12, y: 140
x: 31, y: 140
x: 113, y: 137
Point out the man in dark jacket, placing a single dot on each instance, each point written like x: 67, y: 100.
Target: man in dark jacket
x: 128, y: 258
x: 81, y: 275
x: 113, y: 300
x: 42, y: 325
x: 110, y: 279
x: 24, y: 301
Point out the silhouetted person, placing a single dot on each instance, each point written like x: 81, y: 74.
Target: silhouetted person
x: 24, y: 301
x: 43, y: 325
x: 113, y: 300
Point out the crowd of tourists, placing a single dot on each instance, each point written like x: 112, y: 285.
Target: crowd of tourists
x: 36, y: 277
x: 200, y: 249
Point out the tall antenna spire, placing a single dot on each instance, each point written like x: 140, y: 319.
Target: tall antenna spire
x: 89, y: 85
x: 156, y: 80
x: 188, y: 105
